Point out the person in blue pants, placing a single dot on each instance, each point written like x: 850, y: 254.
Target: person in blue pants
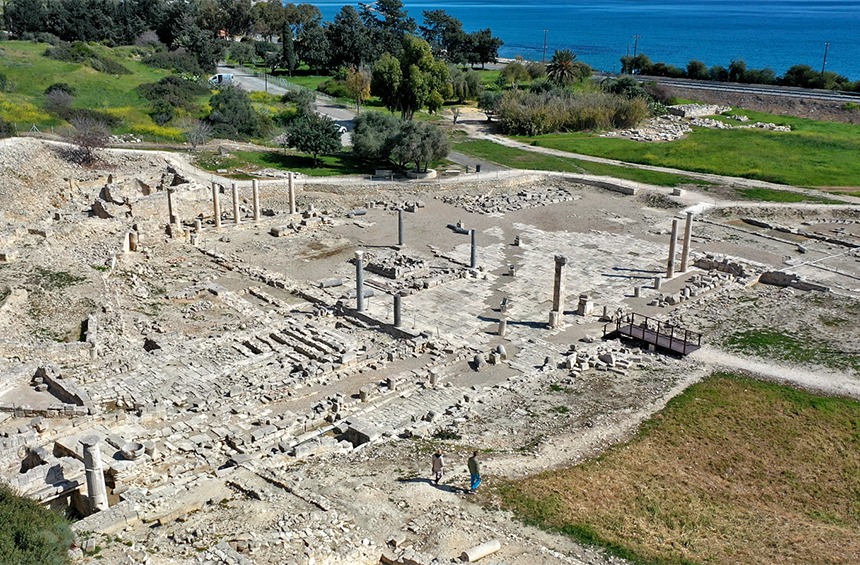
x: 474, y: 471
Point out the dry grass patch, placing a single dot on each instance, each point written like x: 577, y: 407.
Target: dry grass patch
x: 732, y: 471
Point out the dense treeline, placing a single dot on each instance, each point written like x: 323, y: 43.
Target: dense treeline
x: 355, y: 38
x: 802, y: 76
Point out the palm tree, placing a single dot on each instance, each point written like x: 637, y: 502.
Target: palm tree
x: 561, y: 69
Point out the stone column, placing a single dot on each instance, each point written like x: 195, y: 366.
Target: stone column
x: 688, y: 233
x: 474, y: 259
x: 359, y: 280
x: 558, y: 292
x: 216, y: 203
x: 503, y: 327
x: 400, y: 227
x: 96, y: 490
x: 171, y: 217
x: 397, y: 318
x: 292, y: 193
x: 670, y: 266
x: 198, y: 225
x: 236, y: 219
x: 256, y: 196
x: 133, y: 241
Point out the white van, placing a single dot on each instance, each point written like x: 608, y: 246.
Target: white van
x: 221, y: 79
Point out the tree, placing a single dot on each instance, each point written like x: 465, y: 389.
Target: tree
x: 697, y: 70
x: 718, y: 73
x: 31, y: 534
x: 89, y: 134
x: 445, y: 35
x: 372, y: 135
x: 515, y: 72
x: 288, y: 52
x: 242, y: 52
x: 642, y: 64
x: 269, y: 18
x: 560, y: 70
x: 349, y: 39
x: 314, y: 134
x: 358, y: 86
x: 300, y: 16
x: 233, y: 115
x: 200, y: 132
x: 489, y: 103
x: 413, y: 81
x: 420, y: 143
x: 737, y: 69
x: 314, y: 48
x: 486, y: 47
x: 235, y: 16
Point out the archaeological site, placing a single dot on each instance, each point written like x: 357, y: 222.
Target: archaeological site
x: 205, y: 370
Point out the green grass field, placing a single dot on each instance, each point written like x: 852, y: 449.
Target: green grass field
x: 23, y: 63
x: 330, y: 165
x: 520, y: 159
x: 732, y: 471
x: 813, y: 154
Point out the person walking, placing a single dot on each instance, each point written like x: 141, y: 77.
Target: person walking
x: 474, y: 471
x: 438, y: 466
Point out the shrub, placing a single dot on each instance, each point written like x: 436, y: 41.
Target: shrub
x: 335, y: 88
x: 174, y: 91
x: 72, y: 114
x: 180, y: 60
x: 80, y: 52
x: 30, y: 534
x: 233, y: 115
x: 525, y: 113
x: 58, y: 100
x: 6, y: 129
x: 61, y: 87
x: 6, y: 84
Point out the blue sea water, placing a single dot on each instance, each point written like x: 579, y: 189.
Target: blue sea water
x: 764, y: 33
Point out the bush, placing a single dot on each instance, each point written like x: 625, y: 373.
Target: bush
x: 233, y: 115
x: 524, y: 113
x: 30, y: 534
x: 174, y: 91
x: 72, y: 114
x: 6, y: 84
x: 61, y: 87
x: 80, y: 52
x: 6, y: 129
x: 180, y: 61
x: 335, y: 88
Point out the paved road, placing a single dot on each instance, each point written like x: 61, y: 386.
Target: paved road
x: 249, y: 82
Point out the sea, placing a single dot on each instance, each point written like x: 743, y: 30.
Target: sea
x: 763, y: 33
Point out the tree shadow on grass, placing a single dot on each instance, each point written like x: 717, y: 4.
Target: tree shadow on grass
x: 337, y: 164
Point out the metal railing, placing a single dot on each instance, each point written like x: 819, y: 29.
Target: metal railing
x: 651, y: 330
x: 283, y: 83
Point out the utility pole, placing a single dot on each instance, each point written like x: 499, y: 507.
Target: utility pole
x: 635, y: 43
x: 821, y: 80
x: 544, y: 46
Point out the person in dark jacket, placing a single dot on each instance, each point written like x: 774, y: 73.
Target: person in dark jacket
x: 474, y: 471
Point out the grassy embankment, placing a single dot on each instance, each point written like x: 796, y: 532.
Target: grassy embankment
x: 24, y: 64
x: 732, y: 471
x: 814, y: 154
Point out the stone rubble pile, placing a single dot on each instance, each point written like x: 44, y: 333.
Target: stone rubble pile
x: 697, y: 110
x: 500, y: 203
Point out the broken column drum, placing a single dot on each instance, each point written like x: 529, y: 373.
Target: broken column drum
x: 473, y: 262
x: 359, y: 280
x: 292, y: 190
x: 685, y: 251
x: 557, y: 315
x: 397, y: 319
x: 255, y: 188
x: 216, y: 204
x: 670, y: 265
x: 236, y: 218
x: 96, y: 490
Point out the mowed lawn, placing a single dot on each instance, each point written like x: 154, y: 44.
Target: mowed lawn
x: 732, y: 471
x: 813, y: 154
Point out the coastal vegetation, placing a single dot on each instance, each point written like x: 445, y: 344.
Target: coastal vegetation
x: 678, y: 493
x: 813, y: 154
x: 802, y: 76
